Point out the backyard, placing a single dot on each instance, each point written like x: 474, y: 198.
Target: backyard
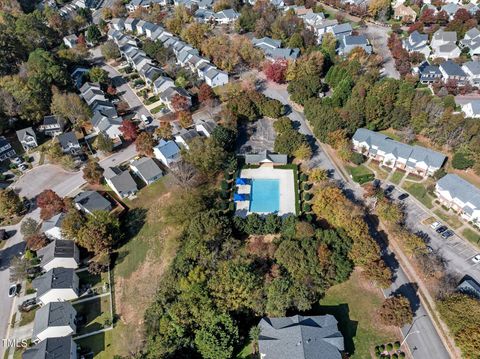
x: 380, y: 172
x: 96, y: 314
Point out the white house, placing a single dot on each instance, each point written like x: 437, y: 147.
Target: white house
x: 444, y: 45
x: 471, y: 109
x: 417, y: 42
x: 185, y: 136
x: 205, y: 127
x: 54, y: 320
x: 215, y: 78
x: 69, y: 143
x: 57, y: 285
x: 70, y: 41
x: 90, y: 201
x: 59, y: 253
x: 146, y: 169
x: 52, y: 226
x: 6, y: 149
x: 460, y: 195
x: 167, y: 151
x: 27, y: 138
x: 227, y: 16
x: 161, y: 84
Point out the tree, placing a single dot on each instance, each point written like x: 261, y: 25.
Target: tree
x: 318, y: 175
x: 218, y: 338
x: 303, y: 152
x: 110, y: 50
x: 164, y: 130
x: 104, y: 143
x: 389, y: 212
x: 144, y: 144
x: 194, y: 34
x: 205, y: 154
x: 50, y: 204
x: 276, y: 71
x: 379, y: 8
x: 69, y: 106
x: 36, y: 242
x: 224, y: 137
x: 19, y: 268
x: 29, y: 227
x: 97, y: 74
x: 180, y: 103
x: 99, y: 232
x: 184, y: 118
x: 205, y: 94
x: 462, y: 161
x: 10, y: 203
x: 93, y: 34
x: 129, y: 130
x: 184, y: 174
x: 93, y: 172
x: 72, y: 224
x: 396, y: 311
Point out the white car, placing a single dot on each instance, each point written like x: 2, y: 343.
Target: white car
x: 476, y: 259
x: 435, y: 225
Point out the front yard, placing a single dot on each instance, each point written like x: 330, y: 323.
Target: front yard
x: 471, y: 235
x: 450, y: 218
x: 419, y: 191
x: 360, y: 174
x: 397, y: 177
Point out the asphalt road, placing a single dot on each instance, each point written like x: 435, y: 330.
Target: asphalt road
x: 426, y: 343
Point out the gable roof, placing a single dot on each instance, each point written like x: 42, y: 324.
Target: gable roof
x: 21, y: 134
x: 59, y: 248
x: 452, y: 69
x: 54, y: 314
x: 123, y: 182
x: 52, y: 120
x: 469, y: 287
x: 266, y: 42
x: 342, y: 28
x: 54, y: 222
x: 461, y: 189
x: 92, y: 201
x: 68, y: 138
x: 147, y: 168
x: 266, y: 156
x: 51, y: 348
x: 473, y: 67
x: 55, y: 278
x: 300, y: 337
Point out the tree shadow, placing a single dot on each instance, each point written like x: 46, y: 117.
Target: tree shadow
x: 7, y: 254
x: 347, y: 327
x: 409, y: 290
x: 133, y: 222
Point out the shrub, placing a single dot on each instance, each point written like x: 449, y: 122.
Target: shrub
x: 389, y: 347
x: 224, y: 185
x: 307, y: 207
x: 224, y: 205
x: 461, y: 161
x: 396, y: 345
x: 307, y: 196
x: 361, y: 179
x: 357, y: 158
x: 224, y: 195
x: 303, y: 177
x: 307, y: 186
x: 382, y: 348
x: 309, y: 218
x: 395, y: 355
x: 402, y: 355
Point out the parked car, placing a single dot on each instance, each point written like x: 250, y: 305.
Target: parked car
x: 389, y: 189
x: 476, y: 259
x: 447, y: 234
x: 28, y: 305
x: 23, y: 167
x: 146, y: 119
x: 376, y: 183
x: 435, y: 225
x: 403, y: 196
x: 17, y: 160
x: 4, y: 235
x: 441, y: 229
x: 13, y: 290
x: 429, y: 249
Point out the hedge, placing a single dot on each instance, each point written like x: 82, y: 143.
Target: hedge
x: 361, y: 179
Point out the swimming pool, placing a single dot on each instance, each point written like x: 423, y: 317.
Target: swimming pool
x: 265, y: 196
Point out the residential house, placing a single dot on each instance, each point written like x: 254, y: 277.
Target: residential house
x: 313, y: 18
x: 150, y: 30
x: 471, y: 109
x: 54, y: 320
x: 300, y: 337
x: 417, y: 42
x: 472, y: 70
x: 169, y: 94
x: 90, y: 201
x: 471, y: 41
x: 52, y: 227
x: 394, y: 154
x: 121, y: 182
x: 78, y: 76
x: 341, y: 30
x: 470, y: 287
x: 147, y: 169
x: 185, y: 136
x: 204, y: 15
x: 52, y: 125
x: 109, y: 126
x: 459, y: 195
x: 348, y: 43
x: 59, y: 253
x: 139, y: 27
x: 205, y: 127
x: 70, y: 40
x: 265, y: 157
x: 130, y: 24
x: 427, y: 73
x: 405, y: 13
x: 69, y: 143
x: 451, y: 9
x: 6, y: 149
x: 471, y: 8
x: 91, y: 92
x: 150, y: 73
x: 161, y: 84
x: 118, y: 24
x: 321, y: 27
x: 226, y: 16
x: 444, y: 45
x: 273, y: 51
x: 167, y: 152
x: 215, y: 77
x: 300, y: 11
x: 63, y: 347
x: 27, y: 138
x: 57, y: 285
x: 452, y: 71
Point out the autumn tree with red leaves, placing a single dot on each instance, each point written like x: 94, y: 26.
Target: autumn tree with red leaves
x: 112, y: 91
x: 144, y: 144
x: 129, y: 130
x: 205, y: 93
x: 50, y: 204
x: 276, y: 71
x: 180, y: 103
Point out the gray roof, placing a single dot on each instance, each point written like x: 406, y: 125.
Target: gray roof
x: 51, y: 348
x: 54, y: 314
x: 52, y: 120
x: 353, y: 40
x: 59, y: 248
x: 416, y: 37
x: 342, y: 28
x: 452, y: 69
x: 450, y: 8
x: 227, y: 14
x: 209, y: 125
x: 266, y: 156
x: 54, y: 222
x: 473, y: 67
x: 123, y: 182
x: 475, y: 107
x: 55, y: 278
x: 300, y: 337
x: 147, y: 168
x: 472, y: 33
x: 66, y: 138
x: 450, y: 36
x: 168, y: 149
x: 26, y: 132
x: 430, y: 157
x: 282, y: 53
x: 470, y: 287
x: 92, y: 201
x: 266, y: 41
x: 461, y: 189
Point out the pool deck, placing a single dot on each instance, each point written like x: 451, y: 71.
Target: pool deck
x: 286, y: 189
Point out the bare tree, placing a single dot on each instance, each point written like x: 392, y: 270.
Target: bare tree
x: 185, y: 174
x: 19, y: 269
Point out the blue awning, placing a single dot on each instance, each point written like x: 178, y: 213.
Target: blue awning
x: 242, y: 181
x: 240, y: 197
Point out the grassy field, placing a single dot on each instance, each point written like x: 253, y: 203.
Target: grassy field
x: 397, y: 177
x: 451, y: 219
x: 354, y: 304
x: 419, y: 191
x: 471, y: 235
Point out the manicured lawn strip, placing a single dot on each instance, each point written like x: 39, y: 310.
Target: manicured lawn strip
x: 451, y: 219
x: 471, y: 235
x: 151, y: 100
x: 360, y: 174
x: 157, y: 109
x: 397, y: 177
x: 96, y: 311
x: 27, y: 317
x: 419, y: 191
x: 355, y: 309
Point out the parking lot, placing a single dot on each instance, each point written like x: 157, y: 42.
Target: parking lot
x: 256, y: 136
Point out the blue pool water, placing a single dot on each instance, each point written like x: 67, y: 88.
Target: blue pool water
x: 265, y: 195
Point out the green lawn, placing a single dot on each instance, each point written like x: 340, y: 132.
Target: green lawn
x: 27, y: 317
x: 360, y: 174
x: 96, y: 281
x: 419, y: 191
x: 397, y: 177
x: 380, y: 172
x: 101, y: 345
x: 471, y: 235
x: 355, y: 307
x: 97, y: 314
x: 451, y: 219
x: 247, y: 352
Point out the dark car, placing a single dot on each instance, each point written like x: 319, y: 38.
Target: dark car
x: 403, y: 196
x: 376, y: 183
x: 3, y: 235
x: 28, y: 305
x: 389, y: 189
x: 13, y: 290
x: 441, y: 229
x: 447, y: 234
